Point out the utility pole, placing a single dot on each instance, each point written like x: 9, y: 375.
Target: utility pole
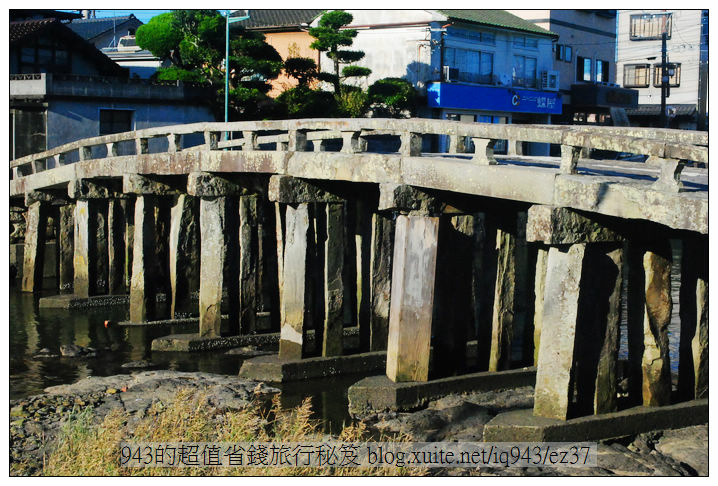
x: 664, y: 78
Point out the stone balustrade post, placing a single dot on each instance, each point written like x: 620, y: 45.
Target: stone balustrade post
x: 484, y: 151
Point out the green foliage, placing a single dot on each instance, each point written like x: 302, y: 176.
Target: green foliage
x: 330, y: 35
x: 352, y: 103
x: 303, y: 69
x: 159, y: 35
x: 392, y: 97
x: 194, y: 42
x: 303, y: 102
x: 355, y: 71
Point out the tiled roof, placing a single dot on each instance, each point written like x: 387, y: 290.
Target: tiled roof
x: 90, y: 28
x: 655, y: 110
x: 272, y: 19
x: 25, y: 28
x: 497, y: 18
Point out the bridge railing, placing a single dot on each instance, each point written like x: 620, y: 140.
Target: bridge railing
x: 667, y: 149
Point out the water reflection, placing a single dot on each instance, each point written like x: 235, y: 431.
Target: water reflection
x: 33, y: 329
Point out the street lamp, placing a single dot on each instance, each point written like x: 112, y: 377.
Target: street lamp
x: 226, y: 64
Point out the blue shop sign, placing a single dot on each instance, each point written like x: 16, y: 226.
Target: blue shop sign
x: 491, y: 98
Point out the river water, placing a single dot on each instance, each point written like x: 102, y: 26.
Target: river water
x: 32, y: 329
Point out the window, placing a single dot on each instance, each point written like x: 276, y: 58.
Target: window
x: 473, y: 66
x: 115, y: 121
x: 583, y: 68
x: 674, y: 75
x: 524, y: 72
x: 563, y: 53
x: 482, y: 37
x: 602, y: 71
x: 43, y: 55
x: 636, y: 75
x: 527, y: 42
x: 650, y: 26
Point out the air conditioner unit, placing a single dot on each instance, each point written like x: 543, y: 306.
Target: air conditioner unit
x: 549, y: 80
x: 451, y: 75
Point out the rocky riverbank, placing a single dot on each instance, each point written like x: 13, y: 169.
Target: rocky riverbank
x: 35, y: 422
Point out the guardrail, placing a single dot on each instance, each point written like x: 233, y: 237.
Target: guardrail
x: 668, y: 149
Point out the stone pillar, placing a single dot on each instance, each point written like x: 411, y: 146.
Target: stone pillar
x: 382, y: 248
x: 635, y: 310
x: 656, y: 367
x: 311, y: 250
x: 84, y: 244
x: 33, y: 256
x: 102, y: 261
x: 581, y: 310
x: 412, y: 296
x: 65, y: 239
x: 332, y: 342
x: 452, y: 297
x: 539, y: 293
x: 502, y: 327
x: 362, y: 233
x: 116, y: 225
x: 216, y: 221
x: 143, y: 294
x: 556, y: 354
x: 184, y: 255
x: 296, y: 298
x: 248, y: 264
x: 693, y: 349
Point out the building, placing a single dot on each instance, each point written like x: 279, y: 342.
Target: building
x: 62, y: 89
x: 286, y: 31
x: 639, y: 60
x: 104, y: 32
x: 472, y: 65
x: 584, y: 57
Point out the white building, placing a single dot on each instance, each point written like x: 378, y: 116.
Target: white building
x: 472, y: 65
x: 639, y: 62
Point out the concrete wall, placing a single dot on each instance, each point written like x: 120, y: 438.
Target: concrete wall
x: 683, y: 47
x: 70, y: 120
x: 590, y: 35
x: 290, y: 44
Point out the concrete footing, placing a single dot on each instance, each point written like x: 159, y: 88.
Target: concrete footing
x: 379, y: 393
x: 523, y: 426
x: 195, y: 342
x: 72, y: 301
x: 277, y: 370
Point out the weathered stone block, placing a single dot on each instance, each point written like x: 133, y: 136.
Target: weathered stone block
x: 563, y: 226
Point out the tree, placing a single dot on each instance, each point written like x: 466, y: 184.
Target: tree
x: 330, y: 36
x: 194, y: 42
x: 392, y: 97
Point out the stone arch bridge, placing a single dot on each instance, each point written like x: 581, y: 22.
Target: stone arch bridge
x: 329, y: 224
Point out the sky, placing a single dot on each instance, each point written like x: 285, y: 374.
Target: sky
x: 143, y: 15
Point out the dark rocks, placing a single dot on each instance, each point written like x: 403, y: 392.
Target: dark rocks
x: 75, y: 351
x: 141, y: 364
x: 45, y: 353
x: 35, y: 422
x: 248, y: 351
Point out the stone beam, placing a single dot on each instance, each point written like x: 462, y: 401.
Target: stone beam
x: 292, y: 190
x: 146, y: 185
x: 563, y: 226
x: 54, y: 197
x: 92, y: 189
x: 408, y: 199
x: 206, y: 184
